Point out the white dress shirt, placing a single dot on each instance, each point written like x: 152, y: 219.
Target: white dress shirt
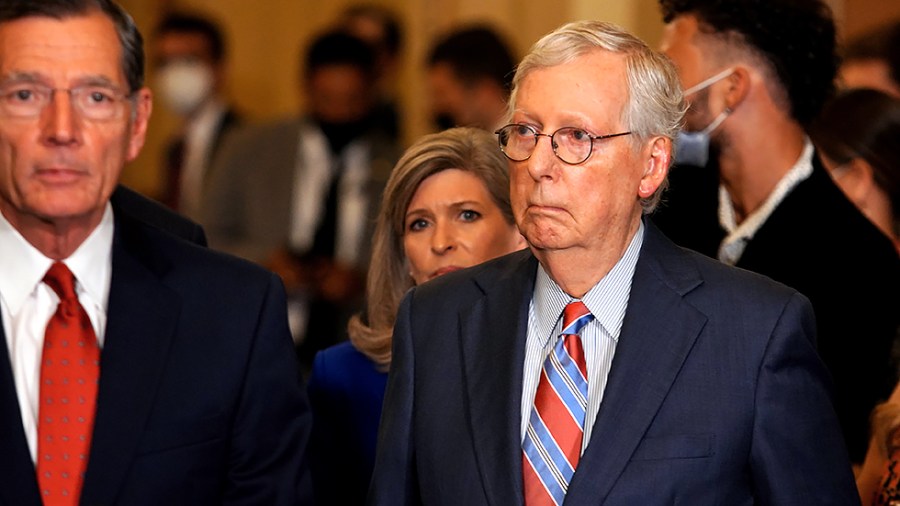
x: 199, y: 136
x: 314, y: 167
x: 607, y: 301
x: 26, y: 304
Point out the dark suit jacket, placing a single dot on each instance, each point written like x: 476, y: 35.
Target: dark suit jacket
x: 715, y: 395
x: 346, y: 391
x: 129, y: 202
x: 199, y: 401
x: 818, y: 242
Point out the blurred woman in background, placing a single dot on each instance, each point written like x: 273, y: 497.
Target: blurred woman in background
x: 858, y: 136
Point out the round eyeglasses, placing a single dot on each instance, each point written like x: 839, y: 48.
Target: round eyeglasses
x: 28, y: 100
x: 571, y: 145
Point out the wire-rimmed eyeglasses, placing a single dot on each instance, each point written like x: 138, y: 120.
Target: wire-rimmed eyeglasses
x: 28, y: 99
x: 571, y: 145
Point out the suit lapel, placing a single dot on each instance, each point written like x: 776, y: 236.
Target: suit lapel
x: 141, y: 321
x: 657, y: 335
x: 20, y: 483
x: 493, y: 335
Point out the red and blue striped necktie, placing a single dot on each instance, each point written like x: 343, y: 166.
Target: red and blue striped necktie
x: 552, y: 444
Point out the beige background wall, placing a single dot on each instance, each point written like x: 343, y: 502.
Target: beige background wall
x: 267, y: 36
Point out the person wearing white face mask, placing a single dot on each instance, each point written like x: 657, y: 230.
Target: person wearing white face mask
x: 189, y: 60
x: 185, y: 84
x: 756, y: 73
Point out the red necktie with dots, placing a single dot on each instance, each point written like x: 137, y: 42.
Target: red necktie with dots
x: 70, y: 369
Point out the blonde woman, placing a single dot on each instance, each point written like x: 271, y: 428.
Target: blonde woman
x: 445, y: 207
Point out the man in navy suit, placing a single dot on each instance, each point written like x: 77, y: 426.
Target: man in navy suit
x: 198, y: 399
x: 703, y: 385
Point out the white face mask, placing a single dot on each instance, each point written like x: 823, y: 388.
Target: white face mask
x: 184, y: 85
x: 692, y: 148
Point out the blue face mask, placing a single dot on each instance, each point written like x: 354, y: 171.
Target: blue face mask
x: 692, y: 148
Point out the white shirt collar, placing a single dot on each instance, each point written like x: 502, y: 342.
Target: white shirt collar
x: 203, y: 125
x: 607, y: 300
x: 92, y: 261
x: 739, y: 235
x: 23, y: 266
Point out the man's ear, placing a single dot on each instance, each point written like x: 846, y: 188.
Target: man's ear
x: 657, y: 158
x: 140, y: 118
x: 738, y: 87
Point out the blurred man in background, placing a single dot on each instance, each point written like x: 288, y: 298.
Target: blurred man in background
x: 381, y: 29
x: 298, y: 194
x: 469, y: 74
x: 756, y: 73
x: 872, y: 60
x: 189, y: 62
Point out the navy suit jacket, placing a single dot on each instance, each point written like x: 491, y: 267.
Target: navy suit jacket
x: 150, y: 212
x: 199, y: 400
x: 715, y: 396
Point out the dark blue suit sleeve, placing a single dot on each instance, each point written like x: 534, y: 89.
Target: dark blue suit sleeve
x: 394, y: 479
x: 793, y: 414
x: 267, y: 461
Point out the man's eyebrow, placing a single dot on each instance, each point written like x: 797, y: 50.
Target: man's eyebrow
x: 33, y: 77
x: 21, y: 77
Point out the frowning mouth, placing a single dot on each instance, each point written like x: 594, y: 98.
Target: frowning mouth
x: 444, y: 270
x: 545, y: 209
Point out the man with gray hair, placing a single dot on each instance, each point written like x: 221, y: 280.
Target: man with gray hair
x: 603, y: 365
x: 136, y: 368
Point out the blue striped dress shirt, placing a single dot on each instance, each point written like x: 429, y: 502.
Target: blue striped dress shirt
x: 607, y: 301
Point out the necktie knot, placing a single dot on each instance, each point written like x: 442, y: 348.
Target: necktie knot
x: 62, y: 281
x: 575, y: 316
